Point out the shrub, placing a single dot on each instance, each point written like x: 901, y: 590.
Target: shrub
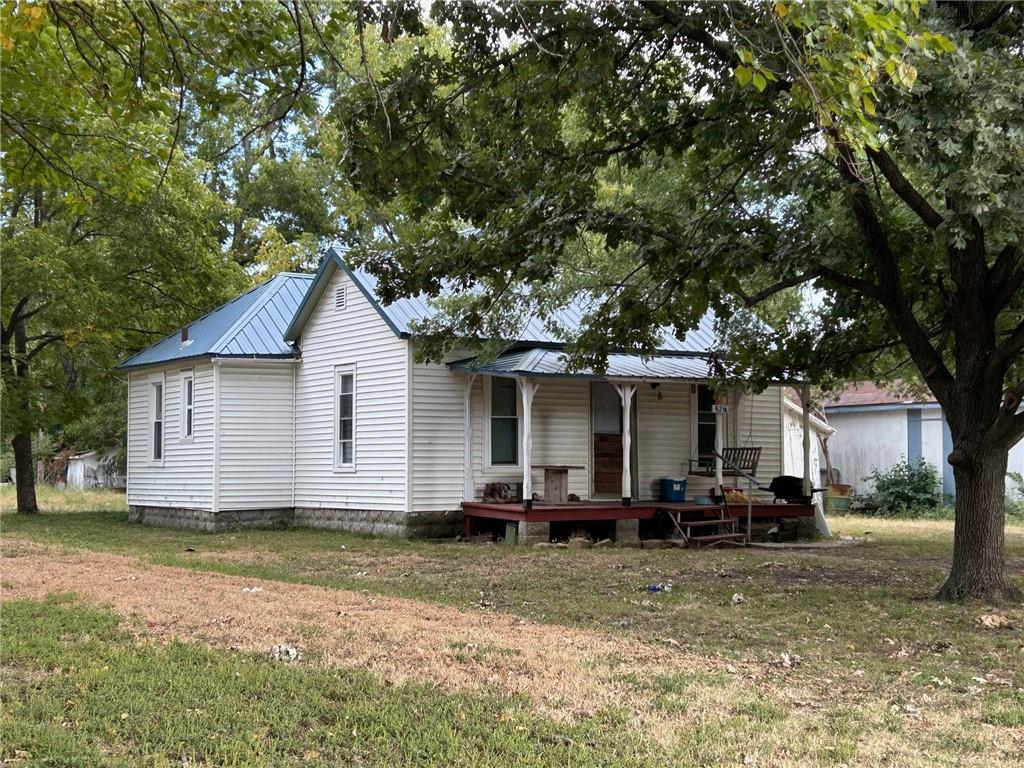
x: 1015, y: 497
x: 908, y: 489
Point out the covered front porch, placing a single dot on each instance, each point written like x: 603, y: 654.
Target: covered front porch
x: 550, y: 450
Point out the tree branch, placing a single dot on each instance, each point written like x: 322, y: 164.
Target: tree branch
x: 1007, y: 352
x: 667, y: 13
x: 890, y: 282
x: 904, y: 189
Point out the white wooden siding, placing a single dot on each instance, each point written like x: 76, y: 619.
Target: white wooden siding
x: 357, y: 336
x: 255, y: 436
x: 184, y: 478
x: 663, y: 442
x: 438, y: 437
x: 561, y: 435
x: 761, y: 423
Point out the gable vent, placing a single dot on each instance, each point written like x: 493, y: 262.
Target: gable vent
x: 340, y: 297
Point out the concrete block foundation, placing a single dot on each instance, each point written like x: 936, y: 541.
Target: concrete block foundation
x: 534, y: 533
x: 627, y: 532
x: 425, y: 525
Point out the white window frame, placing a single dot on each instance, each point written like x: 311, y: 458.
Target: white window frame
x: 185, y: 434
x: 339, y: 371
x: 695, y: 420
x: 158, y: 380
x: 488, y: 397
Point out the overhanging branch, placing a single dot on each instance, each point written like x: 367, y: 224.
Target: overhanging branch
x: 904, y: 189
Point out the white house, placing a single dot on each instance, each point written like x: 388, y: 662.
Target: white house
x: 877, y: 428
x: 302, y: 401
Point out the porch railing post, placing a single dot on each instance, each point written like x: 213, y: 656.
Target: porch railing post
x: 626, y: 392
x: 527, y: 389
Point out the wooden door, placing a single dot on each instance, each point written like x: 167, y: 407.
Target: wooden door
x: 606, y: 425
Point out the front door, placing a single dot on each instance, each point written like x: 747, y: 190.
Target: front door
x: 606, y: 424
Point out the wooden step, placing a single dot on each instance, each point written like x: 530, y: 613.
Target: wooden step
x: 706, y: 523
x: 738, y: 539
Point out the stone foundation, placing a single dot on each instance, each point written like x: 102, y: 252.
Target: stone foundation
x: 205, y: 520
x: 533, y: 533
x: 416, y: 525
x: 627, y: 532
x: 426, y: 525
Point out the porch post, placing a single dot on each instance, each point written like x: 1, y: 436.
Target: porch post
x: 626, y: 392
x: 719, y: 447
x: 468, y: 483
x: 805, y: 398
x: 527, y: 389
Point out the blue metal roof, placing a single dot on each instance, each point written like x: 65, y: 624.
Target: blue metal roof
x: 539, y: 362
x: 403, y: 314
x: 251, y: 326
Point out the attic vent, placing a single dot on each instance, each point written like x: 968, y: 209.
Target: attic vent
x: 339, y: 297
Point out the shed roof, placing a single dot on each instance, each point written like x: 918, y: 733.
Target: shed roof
x: 403, y: 314
x: 251, y: 326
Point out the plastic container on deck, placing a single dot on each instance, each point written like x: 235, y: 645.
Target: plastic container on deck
x: 672, y: 489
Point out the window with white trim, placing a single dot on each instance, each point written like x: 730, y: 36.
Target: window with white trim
x: 504, y: 422
x: 345, y: 418
x: 156, y: 409
x: 707, y: 425
x: 188, y: 397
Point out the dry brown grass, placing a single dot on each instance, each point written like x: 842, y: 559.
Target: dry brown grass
x: 566, y: 672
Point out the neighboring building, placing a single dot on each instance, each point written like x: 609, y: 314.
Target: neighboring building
x: 95, y: 469
x: 302, y: 401
x: 876, y: 428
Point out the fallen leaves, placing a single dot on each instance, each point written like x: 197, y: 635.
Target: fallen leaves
x: 994, y: 621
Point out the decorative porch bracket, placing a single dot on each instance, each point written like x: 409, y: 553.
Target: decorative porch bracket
x: 626, y: 392
x: 527, y: 389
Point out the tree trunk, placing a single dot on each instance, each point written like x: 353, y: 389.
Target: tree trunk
x: 25, y: 473
x: 978, y: 569
x: 21, y: 443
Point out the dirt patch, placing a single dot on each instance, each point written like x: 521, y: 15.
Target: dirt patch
x: 566, y: 672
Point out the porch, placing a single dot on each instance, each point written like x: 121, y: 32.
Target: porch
x: 605, y: 440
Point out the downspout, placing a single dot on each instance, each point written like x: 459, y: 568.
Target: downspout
x: 294, y: 435
x: 409, y: 505
x: 468, y: 481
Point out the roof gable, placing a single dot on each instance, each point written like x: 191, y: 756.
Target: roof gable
x: 402, y: 315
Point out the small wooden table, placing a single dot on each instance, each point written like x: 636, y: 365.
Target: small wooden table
x: 556, y: 480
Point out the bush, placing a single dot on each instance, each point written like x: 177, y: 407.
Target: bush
x: 905, y: 489
x: 1015, y: 498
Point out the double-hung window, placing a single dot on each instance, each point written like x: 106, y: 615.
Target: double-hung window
x: 156, y: 409
x: 706, y: 425
x: 345, y: 418
x: 504, y: 422
x: 188, y: 396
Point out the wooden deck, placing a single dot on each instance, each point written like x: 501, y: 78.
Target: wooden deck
x: 581, y: 511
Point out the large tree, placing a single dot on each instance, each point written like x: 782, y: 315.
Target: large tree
x: 675, y: 156
x: 144, y: 163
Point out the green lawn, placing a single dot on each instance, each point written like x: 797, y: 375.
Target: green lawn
x: 880, y: 673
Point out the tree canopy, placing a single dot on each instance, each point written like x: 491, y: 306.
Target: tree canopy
x: 851, y: 171
x: 671, y: 157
